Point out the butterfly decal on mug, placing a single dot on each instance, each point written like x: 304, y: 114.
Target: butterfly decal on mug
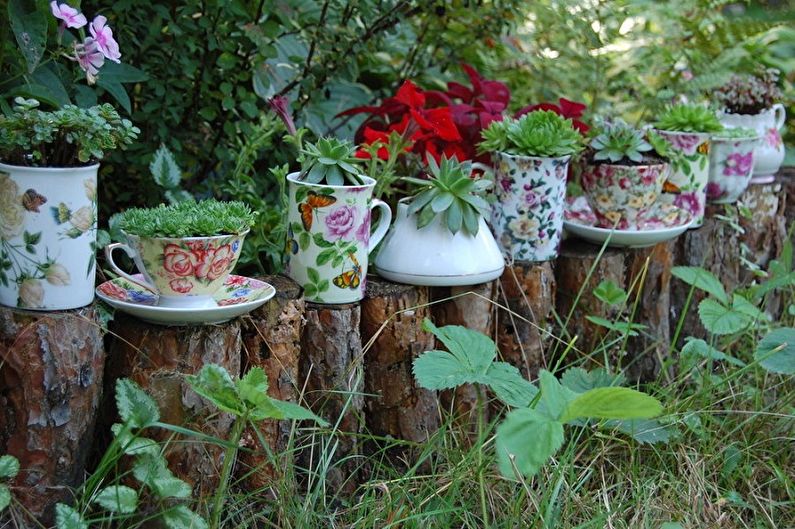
x: 351, y: 278
x: 292, y: 245
x: 313, y: 201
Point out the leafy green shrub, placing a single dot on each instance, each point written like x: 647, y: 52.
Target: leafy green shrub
x: 188, y: 219
x: 68, y: 137
x: 688, y: 117
x: 538, y: 133
x: 9, y: 468
x: 452, y: 193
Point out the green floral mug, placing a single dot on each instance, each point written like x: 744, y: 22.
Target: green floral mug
x: 329, y: 240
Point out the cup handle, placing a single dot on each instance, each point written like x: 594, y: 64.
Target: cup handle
x: 131, y: 254
x: 383, y: 223
x: 780, y: 115
x: 487, y: 169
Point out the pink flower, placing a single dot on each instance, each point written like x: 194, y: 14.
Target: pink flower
x: 71, y: 17
x: 341, y: 221
x: 103, y: 36
x: 531, y: 199
x: 624, y: 182
x: 89, y: 58
x: 738, y: 164
x: 363, y: 232
x: 178, y: 261
x: 221, y: 263
x: 714, y: 190
x: 689, y: 202
x: 281, y: 106
x: 181, y: 285
x: 773, y: 138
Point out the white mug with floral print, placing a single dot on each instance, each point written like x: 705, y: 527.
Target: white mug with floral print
x: 48, y: 227
x: 686, y: 186
x: 731, y: 166
x: 769, y: 152
x: 528, y: 216
x: 184, y: 272
x: 329, y: 240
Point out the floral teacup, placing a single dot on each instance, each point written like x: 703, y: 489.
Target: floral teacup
x: 731, y: 166
x: 622, y: 195
x: 686, y: 186
x: 185, y: 272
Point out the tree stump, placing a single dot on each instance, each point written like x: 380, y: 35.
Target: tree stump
x: 473, y: 308
x: 51, y: 370
x: 392, y: 316
x: 645, y: 274
x: 527, y: 290
x: 272, y: 341
x: 158, y: 358
x: 331, y: 368
x: 726, y: 239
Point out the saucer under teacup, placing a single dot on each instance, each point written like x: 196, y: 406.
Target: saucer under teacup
x: 237, y: 296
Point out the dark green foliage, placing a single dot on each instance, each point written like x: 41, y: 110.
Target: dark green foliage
x: 188, y: 219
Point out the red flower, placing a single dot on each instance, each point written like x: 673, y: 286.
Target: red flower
x: 221, y: 262
x: 181, y: 285
x: 178, y: 261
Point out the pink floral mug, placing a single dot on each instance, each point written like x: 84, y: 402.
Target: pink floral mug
x: 184, y: 272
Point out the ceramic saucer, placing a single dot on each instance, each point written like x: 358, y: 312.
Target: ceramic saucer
x: 239, y: 295
x: 663, y: 222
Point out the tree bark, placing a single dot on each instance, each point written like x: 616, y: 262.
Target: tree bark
x: 392, y: 316
x: 331, y: 366
x: 272, y: 341
x: 527, y: 290
x: 157, y: 359
x: 473, y: 308
x: 51, y: 371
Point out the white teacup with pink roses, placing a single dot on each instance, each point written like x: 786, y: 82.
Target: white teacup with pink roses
x: 185, y: 272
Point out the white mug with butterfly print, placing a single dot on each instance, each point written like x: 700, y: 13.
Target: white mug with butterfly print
x: 48, y: 228
x: 329, y: 238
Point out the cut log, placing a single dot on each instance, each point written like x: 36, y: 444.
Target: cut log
x: 527, y: 290
x: 473, y: 308
x: 51, y: 372
x: 157, y: 359
x: 645, y: 274
x: 729, y: 244
x: 392, y: 316
x: 272, y: 341
x: 331, y: 368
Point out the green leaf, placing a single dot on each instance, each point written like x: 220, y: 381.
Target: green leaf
x: 9, y: 467
x: 702, y: 279
x: 621, y: 327
x: 612, y: 403
x: 719, y: 319
x: 30, y: 30
x: 555, y: 398
x: 441, y: 370
x: 290, y: 410
x: 776, y: 351
x: 122, y: 73
x: 153, y: 472
x: 441, y: 202
x: 579, y: 380
x: 180, y: 517
x: 133, y: 445
x: 135, y: 407
x: 5, y: 498
x: 646, y: 431
x: 313, y: 275
x: 164, y: 168
x: 253, y: 385
x: 698, y: 347
x: 321, y: 242
x: 68, y: 518
x: 118, y: 498
x: 116, y: 90
x: 610, y: 293
x: 303, y: 240
x: 215, y: 384
x: 526, y: 440
x: 474, y: 350
x: 509, y: 385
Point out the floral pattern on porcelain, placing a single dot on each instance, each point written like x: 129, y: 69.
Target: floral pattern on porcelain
x: 528, y: 218
x: 47, y: 253
x: 235, y: 290
x: 768, y: 153
x: 192, y: 266
x: 620, y: 195
x: 329, y: 238
x: 731, y: 166
x: 686, y: 186
x: 659, y: 216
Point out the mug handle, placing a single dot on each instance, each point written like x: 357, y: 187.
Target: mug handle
x: 487, y: 169
x: 131, y: 254
x: 383, y: 223
x: 780, y: 115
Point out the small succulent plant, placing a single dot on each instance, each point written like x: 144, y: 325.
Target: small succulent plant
x: 750, y: 94
x: 688, y: 117
x: 188, y: 219
x: 618, y: 141
x: 330, y: 161
x: 540, y: 133
x: 452, y: 193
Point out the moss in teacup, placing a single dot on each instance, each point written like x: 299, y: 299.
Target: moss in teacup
x: 206, y: 218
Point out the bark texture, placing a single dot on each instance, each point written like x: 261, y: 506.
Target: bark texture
x: 158, y: 358
x: 51, y: 371
x: 331, y: 367
x: 392, y: 316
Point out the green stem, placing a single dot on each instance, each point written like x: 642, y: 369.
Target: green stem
x: 481, y: 410
x: 230, y: 454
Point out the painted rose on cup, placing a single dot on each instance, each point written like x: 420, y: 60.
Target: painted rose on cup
x: 687, y: 183
x: 731, y: 167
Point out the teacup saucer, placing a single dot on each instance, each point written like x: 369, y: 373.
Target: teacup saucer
x: 663, y: 222
x: 239, y: 295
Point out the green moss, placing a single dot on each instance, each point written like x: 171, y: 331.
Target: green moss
x: 188, y: 219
